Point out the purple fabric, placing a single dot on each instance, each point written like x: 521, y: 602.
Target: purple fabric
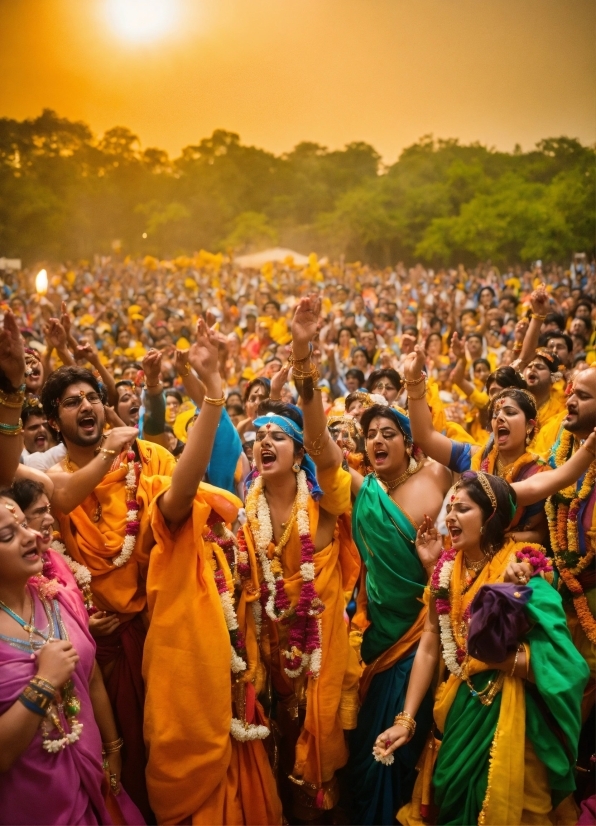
x: 63, y: 787
x: 587, y: 816
x: 497, y: 621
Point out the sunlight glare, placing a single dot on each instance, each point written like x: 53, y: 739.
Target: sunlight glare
x: 142, y: 21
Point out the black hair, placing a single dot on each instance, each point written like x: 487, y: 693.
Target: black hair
x: 506, y: 377
x: 524, y: 399
x: 347, y: 330
x: 566, y: 338
x: 265, y: 383
x: 175, y: 394
x: 410, y: 330
x: 479, y: 336
x: 384, y: 373
x: 361, y: 350
x: 31, y: 407
x: 486, y: 362
x: 355, y: 373
x: 271, y: 301
x: 495, y: 522
x: 58, y: 381
x: 556, y: 318
x: 24, y: 492
x: 380, y: 410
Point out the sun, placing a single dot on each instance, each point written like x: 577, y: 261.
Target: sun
x: 142, y: 21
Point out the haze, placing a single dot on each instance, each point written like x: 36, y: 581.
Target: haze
x: 278, y: 72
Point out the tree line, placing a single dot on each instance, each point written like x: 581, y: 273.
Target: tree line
x: 66, y: 194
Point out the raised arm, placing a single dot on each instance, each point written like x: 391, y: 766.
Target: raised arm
x: 155, y: 403
x: 431, y: 442
x: 12, y: 393
x: 458, y: 374
x: 541, y: 485
x: 87, y: 350
x: 192, y: 385
x: 539, y: 301
x: 319, y: 444
x: 70, y: 489
x: 176, y: 503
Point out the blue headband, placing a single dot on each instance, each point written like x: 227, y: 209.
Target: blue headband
x: 401, y: 421
x: 295, y: 432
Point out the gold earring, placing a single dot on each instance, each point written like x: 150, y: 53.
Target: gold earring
x: 296, y: 467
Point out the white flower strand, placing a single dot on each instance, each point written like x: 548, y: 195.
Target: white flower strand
x: 447, y: 638
x: 243, y: 732
x: 53, y: 746
x: 81, y: 573
x: 129, y: 543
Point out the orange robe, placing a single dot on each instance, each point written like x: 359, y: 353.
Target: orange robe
x: 193, y: 765
x: 329, y: 702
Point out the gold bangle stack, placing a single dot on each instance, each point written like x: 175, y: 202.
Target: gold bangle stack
x: 113, y: 747
x: 44, y: 685
x: 12, y: 400
x: 215, y: 402
x: 407, y: 721
x: 410, y: 383
x: 538, y: 317
x: 107, y: 453
x: 11, y: 429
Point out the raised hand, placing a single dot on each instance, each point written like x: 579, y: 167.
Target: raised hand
x: 152, y: 367
x: 305, y: 321
x: 428, y: 543
x: 12, y: 351
x: 278, y: 380
x: 414, y: 364
x: 86, y: 351
x: 120, y: 438
x: 65, y: 318
x: 55, y: 335
x: 181, y: 362
x: 540, y: 301
x: 203, y: 357
x: 458, y: 347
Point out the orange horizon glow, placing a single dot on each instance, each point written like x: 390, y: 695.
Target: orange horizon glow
x: 502, y: 72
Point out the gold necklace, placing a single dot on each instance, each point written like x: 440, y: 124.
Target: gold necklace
x: 475, y: 566
x: 413, y: 467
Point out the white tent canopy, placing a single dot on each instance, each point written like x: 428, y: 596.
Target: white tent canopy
x: 275, y: 255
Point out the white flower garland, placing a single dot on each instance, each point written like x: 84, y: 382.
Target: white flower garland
x: 447, y: 638
x: 54, y: 746
x: 81, y: 573
x: 132, y: 515
x: 247, y: 731
x: 259, y: 521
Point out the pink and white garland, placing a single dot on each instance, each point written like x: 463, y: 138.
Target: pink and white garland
x: 439, y: 588
x: 132, y: 513
x: 81, y: 574
x: 305, y: 637
x: 240, y: 730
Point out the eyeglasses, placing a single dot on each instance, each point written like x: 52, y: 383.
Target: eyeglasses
x: 74, y: 402
x: 381, y: 386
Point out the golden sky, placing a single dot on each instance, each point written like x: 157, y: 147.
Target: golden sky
x: 331, y: 71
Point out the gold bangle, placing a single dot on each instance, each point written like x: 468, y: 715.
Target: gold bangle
x: 16, y: 405
x: 415, y: 381
x: 151, y: 386
x: 215, y: 402
x: 113, y: 747
x: 538, y: 317
x: 293, y: 360
x: 417, y: 398
x: 316, y: 449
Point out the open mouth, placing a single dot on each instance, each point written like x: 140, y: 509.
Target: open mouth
x: 267, y: 458
x: 87, y: 423
x: 32, y: 555
x: 40, y: 440
x: 502, y: 434
x: 454, y: 532
x: 380, y: 455
x: 133, y: 414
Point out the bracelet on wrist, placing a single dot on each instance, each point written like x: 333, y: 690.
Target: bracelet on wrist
x: 415, y: 381
x: 114, y: 746
x: 151, y: 386
x: 538, y: 317
x: 417, y: 398
x: 11, y: 429
x: 215, y: 402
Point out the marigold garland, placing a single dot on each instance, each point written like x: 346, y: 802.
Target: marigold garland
x: 562, y: 511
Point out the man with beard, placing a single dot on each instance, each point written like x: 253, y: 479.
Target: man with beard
x: 123, y: 506
x: 571, y: 517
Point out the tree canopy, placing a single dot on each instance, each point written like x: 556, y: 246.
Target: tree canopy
x: 67, y: 194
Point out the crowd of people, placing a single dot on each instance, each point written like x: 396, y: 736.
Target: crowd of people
x: 297, y: 545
